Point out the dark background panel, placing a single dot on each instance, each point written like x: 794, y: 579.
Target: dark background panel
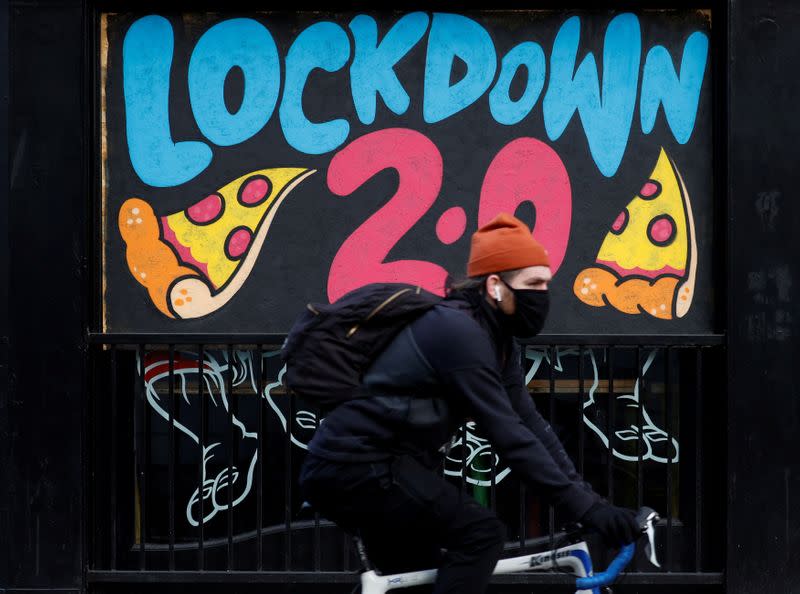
x: 312, y: 223
x: 46, y: 205
x: 5, y: 509
x: 763, y: 398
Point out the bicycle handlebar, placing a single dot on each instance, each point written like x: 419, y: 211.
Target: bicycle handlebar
x: 646, y: 518
x: 608, y: 576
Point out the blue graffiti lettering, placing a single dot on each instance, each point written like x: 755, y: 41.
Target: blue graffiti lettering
x: 372, y: 70
x: 604, y: 100
x: 454, y: 36
x: 606, y: 116
x: 238, y: 42
x: 679, y: 96
x: 157, y: 159
x: 322, y: 45
x: 503, y: 109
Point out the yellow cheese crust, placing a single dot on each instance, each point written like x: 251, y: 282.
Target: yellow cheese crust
x: 648, y: 261
x: 634, y: 247
x: 206, y: 242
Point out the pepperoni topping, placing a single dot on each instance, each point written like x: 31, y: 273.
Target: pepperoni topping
x: 206, y: 211
x: 237, y: 243
x: 661, y: 230
x: 255, y: 190
x: 651, y: 189
x: 619, y: 224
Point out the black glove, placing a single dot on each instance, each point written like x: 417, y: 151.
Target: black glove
x: 617, y: 525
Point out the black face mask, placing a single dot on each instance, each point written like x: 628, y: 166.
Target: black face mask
x: 530, y: 313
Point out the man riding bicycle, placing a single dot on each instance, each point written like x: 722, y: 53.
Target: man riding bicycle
x: 372, y: 465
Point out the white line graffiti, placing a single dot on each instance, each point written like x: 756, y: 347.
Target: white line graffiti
x: 304, y: 418
x: 214, y: 493
x: 469, y: 453
x: 478, y: 464
x: 653, y: 438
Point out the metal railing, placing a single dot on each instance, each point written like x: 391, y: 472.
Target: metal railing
x: 195, y: 447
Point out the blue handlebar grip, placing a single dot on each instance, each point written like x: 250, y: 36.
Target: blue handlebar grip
x: 609, y: 575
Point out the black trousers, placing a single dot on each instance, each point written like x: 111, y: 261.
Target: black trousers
x: 405, y: 515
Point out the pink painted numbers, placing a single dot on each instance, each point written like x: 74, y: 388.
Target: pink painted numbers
x: 525, y: 170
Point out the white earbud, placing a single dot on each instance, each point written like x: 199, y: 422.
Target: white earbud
x: 497, y: 293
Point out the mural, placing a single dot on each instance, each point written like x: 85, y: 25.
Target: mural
x: 218, y: 478
x: 470, y: 457
x: 421, y: 128
x: 624, y: 440
x: 251, y: 165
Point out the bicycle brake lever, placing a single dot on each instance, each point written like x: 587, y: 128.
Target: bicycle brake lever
x: 647, y: 518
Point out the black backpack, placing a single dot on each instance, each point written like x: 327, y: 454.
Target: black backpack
x: 329, y: 347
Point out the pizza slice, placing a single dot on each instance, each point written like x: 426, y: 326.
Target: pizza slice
x: 648, y: 260
x: 193, y: 261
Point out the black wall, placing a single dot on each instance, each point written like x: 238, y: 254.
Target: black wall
x: 764, y: 408
x: 4, y: 329
x: 43, y: 295
x: 47, y: 203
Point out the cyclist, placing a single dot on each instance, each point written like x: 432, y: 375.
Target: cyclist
x: 372, y: 465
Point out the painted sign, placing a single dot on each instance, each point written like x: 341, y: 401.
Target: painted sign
x: 253, y: 164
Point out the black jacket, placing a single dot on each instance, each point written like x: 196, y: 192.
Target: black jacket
x: 451, y: 364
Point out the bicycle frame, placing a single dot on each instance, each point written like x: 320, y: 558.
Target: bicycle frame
x: 575, y: 557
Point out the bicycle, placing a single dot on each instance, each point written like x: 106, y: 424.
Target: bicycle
x: 574, y: 556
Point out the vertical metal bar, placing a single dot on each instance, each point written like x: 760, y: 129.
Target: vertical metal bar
x: 698, y: 461
x: 639, y: 383
x: 231, y: 440
x: 97, y: 545
x: 610, y: 423
x: 347, y: 542
x: 668, y: 429
x: 345, y: 551
x: 288, y: 487
x: 523, y: 515
x: 144, y: 463
x: 113, y: 435
x: 171, y: 456
x: 581, y: 434
x: 317, y: 547
x: 493, y: 477
x: 523, y: 491
x: 639, y: 423
x: 551, y: 518
x: 260, y: 460
x: 464, y: 451
x: 203, y: 440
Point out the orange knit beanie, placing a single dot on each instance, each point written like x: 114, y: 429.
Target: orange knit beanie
x: 505, y: 243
